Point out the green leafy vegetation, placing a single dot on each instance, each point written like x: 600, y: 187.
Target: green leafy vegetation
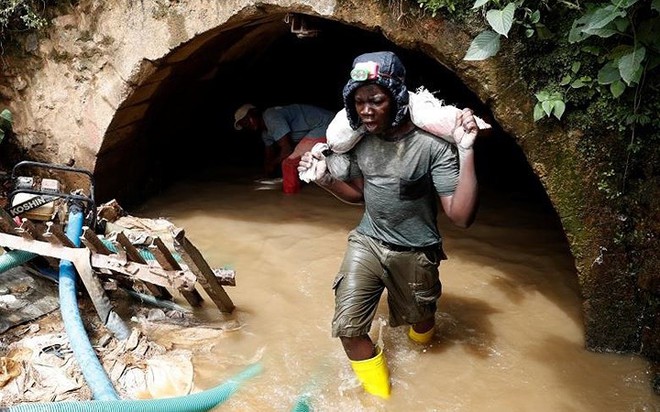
x: 434, y: 5
x: 630, y: 53
x: 549, y: 104
x: 20, y: 16
x: 593, y: 66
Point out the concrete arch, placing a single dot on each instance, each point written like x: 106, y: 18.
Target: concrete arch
x: 112, y: 88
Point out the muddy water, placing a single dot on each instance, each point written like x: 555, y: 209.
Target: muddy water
x: 509, y: 334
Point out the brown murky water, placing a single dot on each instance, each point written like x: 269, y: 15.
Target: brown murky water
x: 509, y: 334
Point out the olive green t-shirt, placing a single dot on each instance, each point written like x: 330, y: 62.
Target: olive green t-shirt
x: 402, y: 181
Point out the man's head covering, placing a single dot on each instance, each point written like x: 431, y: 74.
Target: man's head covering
x: 383, y: 68
x: 240, y: 113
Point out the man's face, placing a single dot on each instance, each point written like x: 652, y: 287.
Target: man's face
x: 250, y: 122
x: 374, y: 106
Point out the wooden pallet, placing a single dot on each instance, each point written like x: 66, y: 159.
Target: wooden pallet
x: 95, y: 261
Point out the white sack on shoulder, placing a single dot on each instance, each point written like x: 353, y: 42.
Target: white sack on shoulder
x: 430, y: 114
x: 340, y: 136
x: 426, y: 112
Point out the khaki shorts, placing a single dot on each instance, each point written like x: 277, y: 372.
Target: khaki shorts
x: 411, y: 278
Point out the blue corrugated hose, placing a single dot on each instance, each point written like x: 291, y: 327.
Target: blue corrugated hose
x: 96, y: 377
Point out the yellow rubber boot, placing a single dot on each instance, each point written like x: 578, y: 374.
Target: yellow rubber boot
x: 422, y: 338
x: 374, y: 375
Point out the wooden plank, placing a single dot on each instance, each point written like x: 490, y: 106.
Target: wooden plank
x: 134, y: 255
x: 163, y: 255
x: 131, y: 251
x: 203, y: 271
x: 92, y: 242
x: 36, y: 247
x: 168, y: 262
x: 55, y: 235
x: 183, y: 280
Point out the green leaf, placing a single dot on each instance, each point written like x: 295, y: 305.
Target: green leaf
x: 576, y: 35
x: 601, y: 17
x: 617, y: 88
x: 637, y: 75
x: 556, y: 96
x: 485, y: 45
x: 630, y: 65
x: 655, y: 5
x: 6, y: 120
x: 542, y: 96
x: 603, y: 33
x: 560, y: 107
x: 538, y: 112
x: 6, y: 114
x: 567, y: 79
x: 578, y: 83
x: 547, y: 106
x: 640, y: 119
x: 608, y: 74
x: 501, y: 20
x: 575, y: 67
x: 479, y: 3
x: 621, y: 24
x: 529, y: 32
x: 535, y: 17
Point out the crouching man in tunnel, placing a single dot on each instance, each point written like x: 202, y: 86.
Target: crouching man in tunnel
x: 287, y: 132
x: 398, y: 171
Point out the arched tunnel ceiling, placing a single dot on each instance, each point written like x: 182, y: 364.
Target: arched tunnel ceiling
x: 186, y: 129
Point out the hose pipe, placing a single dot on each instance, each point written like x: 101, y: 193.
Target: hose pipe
x: 95, y: 376
x: 196, y: 402
x: 14, y: 258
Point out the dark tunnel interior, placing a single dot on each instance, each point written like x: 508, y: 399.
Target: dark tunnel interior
x: 193, y: 126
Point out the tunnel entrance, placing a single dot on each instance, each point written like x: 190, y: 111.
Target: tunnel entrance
x: 187, y: 131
